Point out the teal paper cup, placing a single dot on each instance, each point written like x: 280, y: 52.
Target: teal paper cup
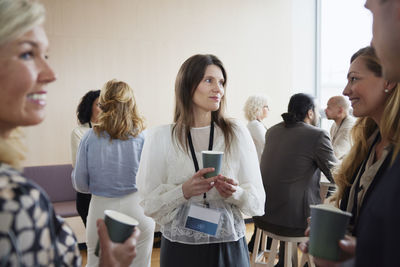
x: 328, y: 226
x: 119, y: 226
x: 212, y: 159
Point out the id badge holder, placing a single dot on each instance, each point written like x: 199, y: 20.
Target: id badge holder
x: 203, y: 219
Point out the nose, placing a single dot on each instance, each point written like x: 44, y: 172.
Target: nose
x: 218, y: 88
x: 346, y: 90
x: 46, y: 75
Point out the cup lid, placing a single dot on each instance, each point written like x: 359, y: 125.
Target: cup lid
x: 121, y: 217
x: 212, y: 152
x: 331, y: 208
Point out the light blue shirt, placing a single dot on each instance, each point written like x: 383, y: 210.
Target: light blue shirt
x: 107, y: 168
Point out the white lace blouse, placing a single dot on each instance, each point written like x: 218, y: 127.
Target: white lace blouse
x: 164, y: 167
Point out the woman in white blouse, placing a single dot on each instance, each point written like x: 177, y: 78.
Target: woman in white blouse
x: 173, y: 186
x: 256, y: 110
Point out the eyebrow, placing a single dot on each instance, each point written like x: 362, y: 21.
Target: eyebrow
x: 34, y: 44
x: 348, y: 74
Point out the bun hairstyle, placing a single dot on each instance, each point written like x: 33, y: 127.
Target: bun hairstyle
x: 119, y: 117
x: 18, y: 17
x: 298, y: 107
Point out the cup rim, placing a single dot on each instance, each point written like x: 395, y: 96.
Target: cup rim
x: 331, y: 209
x: 128, y: 220
x: 212, y: 152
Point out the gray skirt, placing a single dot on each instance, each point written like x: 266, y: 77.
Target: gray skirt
x: 227, y: 254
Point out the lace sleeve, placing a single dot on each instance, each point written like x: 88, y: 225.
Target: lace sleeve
x: 249, y: 195
x: 160, y: 198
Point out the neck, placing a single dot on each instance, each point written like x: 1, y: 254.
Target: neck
x: 201, y: 118
x: 339, y: 120
x: 5, y: 132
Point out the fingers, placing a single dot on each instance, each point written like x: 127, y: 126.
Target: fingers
x: 303, y: 246
x: 201, y: 172
x: 348, y: 245
x: 103, y: 234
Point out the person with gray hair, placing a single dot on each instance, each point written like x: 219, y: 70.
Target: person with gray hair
x: 338, y: 110
x: 255, y: 110
x: 31, y: 234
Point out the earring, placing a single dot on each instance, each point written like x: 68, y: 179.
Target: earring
x: 386, y: 91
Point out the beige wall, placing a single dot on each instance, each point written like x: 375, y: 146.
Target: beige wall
x: 145, y: 42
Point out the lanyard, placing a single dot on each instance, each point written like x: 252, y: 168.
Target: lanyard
x: 210, y: 147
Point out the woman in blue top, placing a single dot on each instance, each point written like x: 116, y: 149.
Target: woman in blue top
x: 106, y: 166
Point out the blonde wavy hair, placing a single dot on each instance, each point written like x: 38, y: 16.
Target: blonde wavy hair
x: 18, y: 17
x: 119, y: 117
x: 365, y: 127
x: 253, y: 106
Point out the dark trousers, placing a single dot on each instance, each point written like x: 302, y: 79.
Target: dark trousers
x: 82, y: 205
x: 226, y: 254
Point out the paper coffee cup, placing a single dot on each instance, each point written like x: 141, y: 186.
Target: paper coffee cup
x: 328, y: 226
x: 212, y: 159
x: 119, y: 226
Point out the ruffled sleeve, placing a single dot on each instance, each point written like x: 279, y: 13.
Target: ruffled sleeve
x: 161, y: 198
x: 250, y: 195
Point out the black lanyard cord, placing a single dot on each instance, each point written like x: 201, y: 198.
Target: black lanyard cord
x: 210, y: 147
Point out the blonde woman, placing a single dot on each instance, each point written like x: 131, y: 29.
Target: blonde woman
x: 31, y: 234
x: 376, y: 134
x: 256, y: 110
x: 376, y: 138
x: 106, y: 166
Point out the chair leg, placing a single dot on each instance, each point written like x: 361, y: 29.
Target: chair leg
x: 254, y: 256
x: 272, y: 253
x: 295, y: 259
x: 288, y: 254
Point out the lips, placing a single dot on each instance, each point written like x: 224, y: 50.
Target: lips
x: 38, y: 98
x: 354, y: 100
x: 215, y: 98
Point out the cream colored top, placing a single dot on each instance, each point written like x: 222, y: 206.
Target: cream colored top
x: 76, y: 136
x: 164, y: 167
x: 257, y: 131
x: 366, y: 178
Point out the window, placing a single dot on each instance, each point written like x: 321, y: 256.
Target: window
x: 345, y: 27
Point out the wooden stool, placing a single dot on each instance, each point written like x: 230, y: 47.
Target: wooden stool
x: 290, y: 250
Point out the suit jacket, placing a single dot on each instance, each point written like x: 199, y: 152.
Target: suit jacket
x: 290, y: 166
x: 340, y: 136
x: 378, y: 228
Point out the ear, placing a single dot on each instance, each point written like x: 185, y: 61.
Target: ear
x: 310, y: 114
x: 389, y: 85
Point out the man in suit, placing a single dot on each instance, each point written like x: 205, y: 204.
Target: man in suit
x: 294, y: 155
x: 338, y: 110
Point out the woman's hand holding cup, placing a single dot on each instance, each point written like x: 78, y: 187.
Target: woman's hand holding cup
x: 198, y: 185
x: 225, y: 186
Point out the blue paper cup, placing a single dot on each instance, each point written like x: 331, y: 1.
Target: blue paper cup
x: 328, y: 226
x: 212, y: 159
x: 119, y: 226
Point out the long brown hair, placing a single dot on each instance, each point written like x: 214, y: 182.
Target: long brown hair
x: 365, y: 127
x: 189, y: 77
x: 119, y: 117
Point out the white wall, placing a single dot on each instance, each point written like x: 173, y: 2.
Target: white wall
x: 145, y: 42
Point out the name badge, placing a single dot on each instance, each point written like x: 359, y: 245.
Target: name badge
x: 203, y: 220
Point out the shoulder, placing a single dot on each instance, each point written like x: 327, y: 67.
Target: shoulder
x: 238, y: 127
x: 14, y: 188
x: 349, y: 121
x: 159, y: 133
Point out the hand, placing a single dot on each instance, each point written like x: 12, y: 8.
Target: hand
x: 198, y: 185
x: 114, y: 254
x: 225, y: 186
